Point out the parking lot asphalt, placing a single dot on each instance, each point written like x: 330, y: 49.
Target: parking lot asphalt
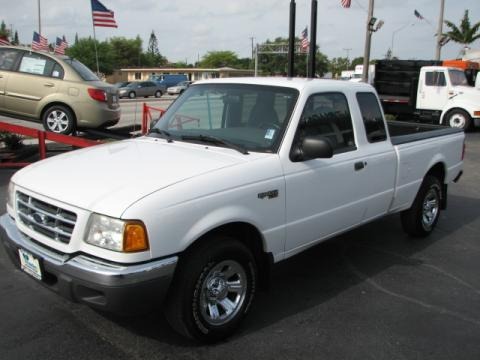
x: 372, y: 293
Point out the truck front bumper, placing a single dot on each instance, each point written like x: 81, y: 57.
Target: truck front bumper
x: 114, y: 287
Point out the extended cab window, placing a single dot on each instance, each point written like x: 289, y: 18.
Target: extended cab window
x: 372, y: 117
x: 328, y: 115
x: 435, y: 78
x: 39, y: 65
x: 8, y: 58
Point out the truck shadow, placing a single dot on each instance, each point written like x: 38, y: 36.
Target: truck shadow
x: 330, y: 268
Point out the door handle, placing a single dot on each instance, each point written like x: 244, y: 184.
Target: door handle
x: 49, y: 84
x: 360, y: 165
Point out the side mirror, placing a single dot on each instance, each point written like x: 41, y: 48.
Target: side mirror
x: 313, y: 147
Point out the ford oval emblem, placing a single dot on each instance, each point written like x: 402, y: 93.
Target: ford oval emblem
x: 39, y: 218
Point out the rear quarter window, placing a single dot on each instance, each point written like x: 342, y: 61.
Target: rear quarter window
x: 372, y: 117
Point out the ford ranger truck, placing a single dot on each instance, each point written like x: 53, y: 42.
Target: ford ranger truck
x: 237, y: 175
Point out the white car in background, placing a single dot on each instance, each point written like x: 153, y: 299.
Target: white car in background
x: 179, y: 88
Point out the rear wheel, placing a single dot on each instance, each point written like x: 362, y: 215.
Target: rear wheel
x: 59, y: 119
x: 212, y: 290
x: 422, y: 217
x: 132, y: 95
x: 459, y: 118
x: 158, y: 93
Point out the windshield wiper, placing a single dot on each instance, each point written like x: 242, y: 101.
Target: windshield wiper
x: 215, y: 140
x: 163, y: 134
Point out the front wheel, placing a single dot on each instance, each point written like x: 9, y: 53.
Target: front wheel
x: 212, y: 290
x: 459, y: 119
x: 422, y: 217
x: 59, y: 119
x: 132, y: 95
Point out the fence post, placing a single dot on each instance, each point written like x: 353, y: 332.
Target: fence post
x: 145, y: 119
x: 41, y: 144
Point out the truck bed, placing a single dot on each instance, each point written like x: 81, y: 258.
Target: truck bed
x: 405, y: 132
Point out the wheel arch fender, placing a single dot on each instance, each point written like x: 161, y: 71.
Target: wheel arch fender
x: 235, y: 223
x: 439, y: 170
x: 461, y: 105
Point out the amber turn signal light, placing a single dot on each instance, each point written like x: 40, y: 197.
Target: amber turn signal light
x: 135, y: 237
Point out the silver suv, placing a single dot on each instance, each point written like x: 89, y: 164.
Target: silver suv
x: 57, y: 90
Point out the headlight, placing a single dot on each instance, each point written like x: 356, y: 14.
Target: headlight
x: 10, y: 195
x: 116, y: 234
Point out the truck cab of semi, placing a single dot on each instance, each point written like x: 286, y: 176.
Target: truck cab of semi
x: 447, y: 90
x: 429, y: 91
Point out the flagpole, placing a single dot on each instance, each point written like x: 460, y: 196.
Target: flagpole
x: 94, y: 39
x: 39, y: 20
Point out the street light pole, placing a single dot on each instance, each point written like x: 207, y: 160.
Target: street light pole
x: 440, y: 30
x: 395, y: 31
x: 368, y: 38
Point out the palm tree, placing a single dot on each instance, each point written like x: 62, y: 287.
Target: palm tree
x: 465, y: 34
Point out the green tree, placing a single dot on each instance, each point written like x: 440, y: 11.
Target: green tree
x: 218, y: 59
x: 276, y: 64
x: 356, y: 61
x: 4, y: 32
x: 84, y: 51
x: 126, y: 52
x: 153, y: 57
x: 16, y: 41
x: 337, y: 65
x: 465, y: 34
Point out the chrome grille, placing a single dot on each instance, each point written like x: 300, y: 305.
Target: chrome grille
x: 49, y: 220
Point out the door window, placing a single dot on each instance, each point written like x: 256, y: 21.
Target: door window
x: 372, y: 117
x: 40, y: 65
x: 435, y: 78
x: 8, y: 58
x: 328, y: 115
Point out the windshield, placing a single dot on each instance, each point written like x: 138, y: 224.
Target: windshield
x: 84, y: 72
x: 253, y: 117
x: 458, y: 78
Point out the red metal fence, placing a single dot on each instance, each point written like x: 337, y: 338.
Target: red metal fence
x: 42, y: 136
x: 147, y: 117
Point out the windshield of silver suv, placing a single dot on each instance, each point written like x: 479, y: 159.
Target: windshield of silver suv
x: 247, y: 117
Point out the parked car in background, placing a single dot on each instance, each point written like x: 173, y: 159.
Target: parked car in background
x: 121, y: 84
x: 59, y: 91
x: 168, y: 80
x: 179, y: 88
x: 141, y: 88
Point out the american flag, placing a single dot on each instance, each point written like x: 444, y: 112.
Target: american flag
x: 4, y: 41
x: 305, y: 39
x: 102, y: 16
x: 60, y: 46
x: 39, y: 42
x: 417, y: 14
x: 346, y: 3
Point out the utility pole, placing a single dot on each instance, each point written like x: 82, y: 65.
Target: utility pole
x: 368, y: 38
x: 39, y: 20
x: 252, y: 59
x: 440, y: 30
x: 348, y: 57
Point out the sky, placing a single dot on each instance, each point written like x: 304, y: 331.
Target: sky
x: 187, y: 29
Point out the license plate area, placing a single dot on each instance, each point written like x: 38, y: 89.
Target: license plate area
x: 30, y: 264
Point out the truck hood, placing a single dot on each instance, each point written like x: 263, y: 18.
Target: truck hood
x: 468, y: 93
x: 109, y: 178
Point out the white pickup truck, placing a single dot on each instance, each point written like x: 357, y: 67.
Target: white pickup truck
x: 238, y: 174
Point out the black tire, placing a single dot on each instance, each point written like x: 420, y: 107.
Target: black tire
x: 132, y: 95
x: 158, y: 94
x: 458, y: 118
x: 59, y: 119
x: 422, y: 217
x: 198, y: 284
